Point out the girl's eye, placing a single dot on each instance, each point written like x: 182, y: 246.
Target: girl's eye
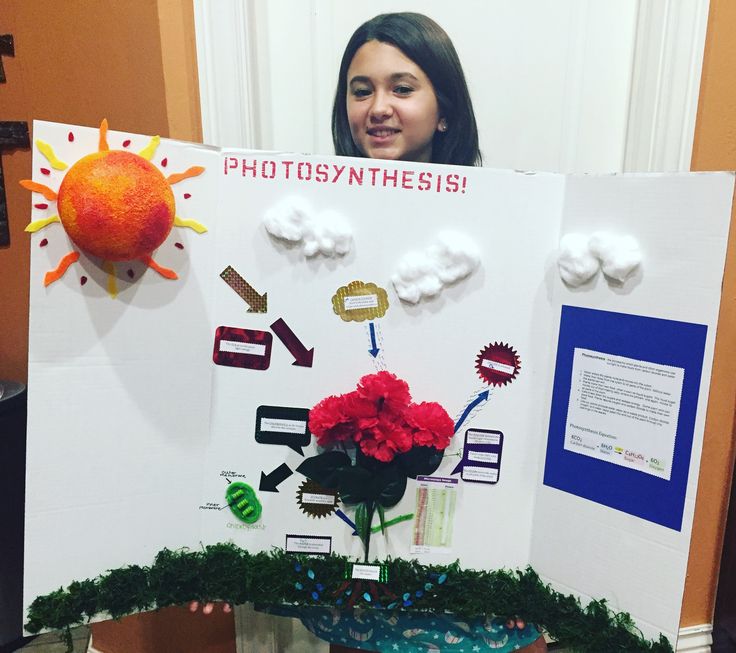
x: 403, y: 90
x: 361, y: 92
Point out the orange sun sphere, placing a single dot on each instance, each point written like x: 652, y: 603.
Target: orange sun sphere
x: 116, y: 205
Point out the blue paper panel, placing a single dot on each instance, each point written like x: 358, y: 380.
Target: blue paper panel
x: 665, y: 342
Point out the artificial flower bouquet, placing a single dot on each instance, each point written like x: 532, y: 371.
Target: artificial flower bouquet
x: 375, y: 438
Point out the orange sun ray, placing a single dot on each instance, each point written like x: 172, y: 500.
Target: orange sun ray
x: 64, y: 263
x: 103, y: 147
x: 36, y: 225
x: 164, y: 272
x: 181, y: 176
x: 34, y: 186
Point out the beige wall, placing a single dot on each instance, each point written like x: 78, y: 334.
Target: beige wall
x: 715, y: 149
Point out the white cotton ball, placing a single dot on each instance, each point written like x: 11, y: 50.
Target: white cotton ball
x: 333, y: 233
x: 327, y: 233
x: 575, y: 261
x: 430, y: 285
x: 287, y: 219
x: 450, y: 258
x: 456, y: 256
x: 414, y: 265
x: 310, y: 247
x: 620, y: 255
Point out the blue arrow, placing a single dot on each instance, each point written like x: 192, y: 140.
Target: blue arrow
x: 347, y: 520
x: 374, y: 348
x: 483, y: 396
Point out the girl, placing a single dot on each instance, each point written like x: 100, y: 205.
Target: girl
x: 401, y: 94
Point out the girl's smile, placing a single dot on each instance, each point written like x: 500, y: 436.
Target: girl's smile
x: 391, y: 105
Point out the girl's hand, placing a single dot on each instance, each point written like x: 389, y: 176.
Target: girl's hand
x: 208, y: 608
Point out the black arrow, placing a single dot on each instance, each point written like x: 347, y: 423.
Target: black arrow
x: 276, y: 477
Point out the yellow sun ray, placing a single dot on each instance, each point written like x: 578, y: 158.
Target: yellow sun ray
x: 36, y: 225
x: 34, y: 186
x: 103, y: 146
x: 191, y: 224
x: 48, y: 151
x: 164, y: 272
x: 148, y: 151
x: 64, y: 263
x: 181, y: 176
x: 112, y: 282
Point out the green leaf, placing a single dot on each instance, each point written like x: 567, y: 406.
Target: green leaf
x: 381, y: 517
x: 420, y: 461
x: 392, y: 491
x: 355, y: 485
x: 325, y: 468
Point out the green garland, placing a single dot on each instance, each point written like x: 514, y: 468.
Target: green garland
x: 228, y: 573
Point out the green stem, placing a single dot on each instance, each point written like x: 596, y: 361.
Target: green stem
x: 370, y: 508
x: 392, y: 522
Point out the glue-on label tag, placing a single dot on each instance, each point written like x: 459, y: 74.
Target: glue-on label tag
x: 283, y: 425
x: 313, y: 544
x: 366, y: 572
x: 245, y: 348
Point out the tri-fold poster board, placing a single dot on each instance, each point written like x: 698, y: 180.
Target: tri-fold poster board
x: 579, y: 408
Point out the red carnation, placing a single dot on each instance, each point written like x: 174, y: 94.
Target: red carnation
x: 385, y: 439
x: 330, y: 422
x: 432, y: 426
x: 388, y: 392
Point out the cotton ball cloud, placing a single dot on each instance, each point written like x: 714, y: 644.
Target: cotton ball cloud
x: 619, y: 255
x: 452, y: 257
x: 326, y: 233
x: 576, y: 262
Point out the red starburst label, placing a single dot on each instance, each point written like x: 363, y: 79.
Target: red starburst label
x: 498, y: 364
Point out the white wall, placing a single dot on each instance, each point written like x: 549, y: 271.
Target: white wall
x: 562, y: 85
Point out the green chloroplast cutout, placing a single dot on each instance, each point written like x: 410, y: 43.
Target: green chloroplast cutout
x: 243, y: 502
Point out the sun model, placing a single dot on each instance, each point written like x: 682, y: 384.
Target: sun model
x: 114, y: 205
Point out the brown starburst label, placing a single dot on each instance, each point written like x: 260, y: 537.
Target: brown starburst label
x: 315, y: 500
x: 498, y: 364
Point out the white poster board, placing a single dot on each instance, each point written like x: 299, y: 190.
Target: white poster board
x: 144, y: 408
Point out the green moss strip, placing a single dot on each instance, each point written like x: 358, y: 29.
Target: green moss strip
x: 226, y: 572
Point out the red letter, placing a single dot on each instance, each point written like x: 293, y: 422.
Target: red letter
x: 374, y: 172
x: 425, y: 180
x: 355, y: 176
x: 406, y: 179
x: 249, y: 168
x: 320, y: 172
x: 264, y: 174
x: 338, y: 171
x: 452, y: 185
x: 300, y: 167
x: 287, y: 165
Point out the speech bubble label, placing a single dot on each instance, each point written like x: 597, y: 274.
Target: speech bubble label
x: 283, y: 425
x: 481, y: 461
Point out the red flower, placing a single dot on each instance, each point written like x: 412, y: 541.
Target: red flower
x: 385, y: 439
x: 330, y: 422
x: 431, y: 425
x: 386, y: 391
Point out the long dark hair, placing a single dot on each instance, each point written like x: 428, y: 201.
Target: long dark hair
x: 427, y: 45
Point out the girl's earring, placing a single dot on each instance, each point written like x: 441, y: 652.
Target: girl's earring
x: 442, y: 126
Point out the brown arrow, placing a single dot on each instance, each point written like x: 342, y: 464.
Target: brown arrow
x: 257, y: 303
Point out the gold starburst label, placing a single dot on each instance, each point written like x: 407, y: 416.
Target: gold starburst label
x: 360, y: 301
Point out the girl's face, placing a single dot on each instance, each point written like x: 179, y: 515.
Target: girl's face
x: 391, y: 105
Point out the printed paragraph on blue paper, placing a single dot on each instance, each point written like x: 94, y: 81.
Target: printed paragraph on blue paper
x: 350, y: 175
